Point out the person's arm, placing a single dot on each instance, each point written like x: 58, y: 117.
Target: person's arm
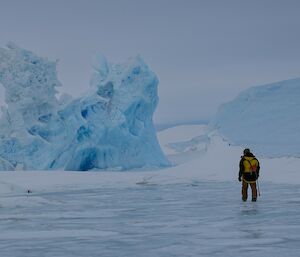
x: 241, y: 169
x: 258, y: 168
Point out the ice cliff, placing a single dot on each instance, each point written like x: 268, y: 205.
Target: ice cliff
x: 109, y: 128
x: 265, y: 118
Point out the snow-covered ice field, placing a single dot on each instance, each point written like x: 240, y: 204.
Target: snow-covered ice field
x: 191, y: 209
x: 184, y: 219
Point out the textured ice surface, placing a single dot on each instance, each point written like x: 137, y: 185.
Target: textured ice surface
x: 198, y: 143
x: 109, y: 128
x: 5, y: 165
x: 185, y: 219
x: 265, y: 118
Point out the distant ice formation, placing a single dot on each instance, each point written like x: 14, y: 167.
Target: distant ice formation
x: 109, y: 128
x: 265, y: 118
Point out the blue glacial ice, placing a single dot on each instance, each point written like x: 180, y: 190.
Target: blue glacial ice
x: 265, y: 118
x: 110, y: 127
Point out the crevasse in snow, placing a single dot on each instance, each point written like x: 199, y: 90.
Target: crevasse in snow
x: 109, y: 128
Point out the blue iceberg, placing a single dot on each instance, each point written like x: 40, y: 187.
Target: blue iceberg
x: 109, y: 128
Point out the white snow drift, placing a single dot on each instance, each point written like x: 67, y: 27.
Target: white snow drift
x: 265, y: 118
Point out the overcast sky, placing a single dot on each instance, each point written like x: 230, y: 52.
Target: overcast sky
x: 204, y: 52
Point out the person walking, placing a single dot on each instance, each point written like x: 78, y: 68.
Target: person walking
x: 248, y: 174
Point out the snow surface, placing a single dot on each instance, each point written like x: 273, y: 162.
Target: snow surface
x: 186, y: 219
x: 110, y: 127
x: 192, y: 209
x: 265, y: 118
